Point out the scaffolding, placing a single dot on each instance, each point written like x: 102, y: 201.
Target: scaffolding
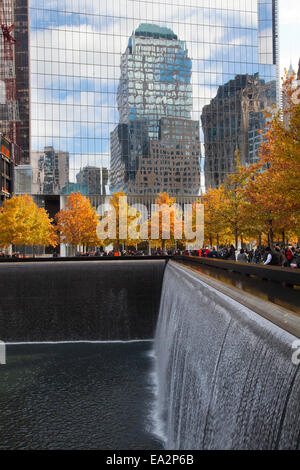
x: 9, y: 106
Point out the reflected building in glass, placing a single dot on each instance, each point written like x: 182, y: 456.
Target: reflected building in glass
x: 233, y: 118
x: 50, y: 171
x: 231, y: 122
x: 155, y: 147
x: 94, y: 178
x: 135, y: 87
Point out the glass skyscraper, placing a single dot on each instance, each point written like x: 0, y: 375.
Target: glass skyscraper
x: 155, y: 92
x: 156, y: 146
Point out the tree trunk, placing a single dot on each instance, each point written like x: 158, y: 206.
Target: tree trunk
x: 283, y: 237
x: 236, y: 237
x: 33, y: 251
x: 271, y: 234
x: 242, y: 242
x: 217, y: 241
x: 259, y: 240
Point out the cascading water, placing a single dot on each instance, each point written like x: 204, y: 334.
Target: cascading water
x: 226, y: 376
x: 71, y: 301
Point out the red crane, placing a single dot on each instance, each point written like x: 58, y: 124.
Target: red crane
x: 9, y: 77
x: 8, y: 39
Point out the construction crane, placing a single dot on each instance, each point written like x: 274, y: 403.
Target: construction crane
x: 9, y: 78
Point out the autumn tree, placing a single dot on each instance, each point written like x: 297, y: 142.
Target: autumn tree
x: 234, y: 208
x: 22, y: 222
x: 166, y: 223
x: 214, y: 227
x: 44, y: 232
x: 274, y: 188
x: 77, y: 223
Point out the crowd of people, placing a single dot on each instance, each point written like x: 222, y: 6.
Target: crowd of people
x: 285, y: 256
x: 288, y: 256
x: 15, y: 254
x: 117, y: 253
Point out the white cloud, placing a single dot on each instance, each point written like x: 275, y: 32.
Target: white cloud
x: 289, y: 25
x: 289, y: 12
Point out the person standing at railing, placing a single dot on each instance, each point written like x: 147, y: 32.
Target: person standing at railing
x: 272, y: 258
x: 257, y: 256
x: 231, y: 254
x: 242, y: 257
x: 289, y: 256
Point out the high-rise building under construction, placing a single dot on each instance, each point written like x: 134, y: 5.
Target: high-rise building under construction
x: 14, y: 77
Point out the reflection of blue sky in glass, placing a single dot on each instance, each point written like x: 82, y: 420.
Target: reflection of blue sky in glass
x: 178, y: 70
x: 76, y: 48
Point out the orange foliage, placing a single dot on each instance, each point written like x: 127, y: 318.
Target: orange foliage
x: 22, y: 222
x: 274, y: 186
x: 77, y: 223
x: 165, y: 220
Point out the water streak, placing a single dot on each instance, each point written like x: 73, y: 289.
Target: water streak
x: 226, y: 378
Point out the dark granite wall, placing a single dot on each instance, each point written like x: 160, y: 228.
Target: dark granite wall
x: 111, y: 300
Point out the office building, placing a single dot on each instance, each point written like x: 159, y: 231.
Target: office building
x: 14, y: 77
x: 93, y: 178
x: 6, y: 168
x: 162, y: 149
x: 21, y: 34
x: 232, y: 122
x: 23, y: 179
x: 50, y: 171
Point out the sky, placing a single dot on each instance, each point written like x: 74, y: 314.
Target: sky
x: 289, y: 33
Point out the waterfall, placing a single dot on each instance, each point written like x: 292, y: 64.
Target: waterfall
x: 86, y: 300
x: 226, y: 377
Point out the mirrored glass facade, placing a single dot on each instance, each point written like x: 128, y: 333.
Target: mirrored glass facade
x: 147, y: 96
